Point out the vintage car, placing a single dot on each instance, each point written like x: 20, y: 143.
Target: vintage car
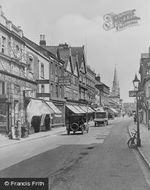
x: 101, y: 117
x: 77, y: 123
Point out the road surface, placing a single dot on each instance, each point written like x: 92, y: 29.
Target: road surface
x: 98, y: 160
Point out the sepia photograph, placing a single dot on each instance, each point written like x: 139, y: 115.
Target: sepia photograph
x: 74, y: 95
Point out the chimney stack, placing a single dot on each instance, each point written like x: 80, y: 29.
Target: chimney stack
x: 42, y: 40
x: 98, y: 78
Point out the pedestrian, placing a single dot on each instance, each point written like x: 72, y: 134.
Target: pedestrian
x: 47, y: 122
x: 135, y: 118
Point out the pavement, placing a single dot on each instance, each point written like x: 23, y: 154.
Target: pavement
x: 144, y: 150
x: 5, y: 141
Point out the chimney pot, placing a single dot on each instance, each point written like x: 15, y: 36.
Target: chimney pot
x: 42, y: 40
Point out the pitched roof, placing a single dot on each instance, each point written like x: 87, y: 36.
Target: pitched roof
x: 65, y: 53
x: 80, y: 52
x: 59, y: 51
x: 52, y: 49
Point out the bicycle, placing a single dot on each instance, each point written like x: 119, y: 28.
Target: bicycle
x: 133, y: 140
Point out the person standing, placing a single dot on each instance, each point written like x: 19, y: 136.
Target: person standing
x: 47, y: 122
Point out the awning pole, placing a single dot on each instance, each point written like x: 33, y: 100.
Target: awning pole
x: 87, y: 114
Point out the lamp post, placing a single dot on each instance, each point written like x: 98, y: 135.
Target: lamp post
x: 136, y: 86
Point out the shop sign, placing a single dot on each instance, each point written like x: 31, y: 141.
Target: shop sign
x: 66, y: 81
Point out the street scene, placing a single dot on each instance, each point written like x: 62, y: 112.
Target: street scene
x: 74, y: 95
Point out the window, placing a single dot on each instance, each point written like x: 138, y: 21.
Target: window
x: 61, y: 92
x: 16, y: 89
x: 17, y: 48
x: 51, y: 89
x: 51, y: 68
x: 59, y: 71
x: 30, y: 63
x: 3, y: 44
x: 42, y: 88
x: 42, y: 70
x: 56, y: 70
x: 57, y: 92
x: 2, y: 87
x: 149, y: 91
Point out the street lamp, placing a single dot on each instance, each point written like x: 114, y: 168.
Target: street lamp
x: 136, y: 82
x: 136, y: 86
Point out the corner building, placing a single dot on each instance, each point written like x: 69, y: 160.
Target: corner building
x: 15, y: 76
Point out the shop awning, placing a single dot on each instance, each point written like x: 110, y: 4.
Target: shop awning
x: 100, y: 109
x: 83, y: 108
x: 37, y: 108
x: 87, y: 109
x: 53, y: 107
x: 113, y: 110
x: 90, y: 110
x: 80, y: 110
x: 73, y: 109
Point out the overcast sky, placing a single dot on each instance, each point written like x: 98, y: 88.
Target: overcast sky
x: 79, y: 22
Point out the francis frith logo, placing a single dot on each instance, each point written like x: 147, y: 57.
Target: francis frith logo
x: 120, y: 21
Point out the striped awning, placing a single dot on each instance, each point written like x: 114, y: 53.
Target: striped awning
x: 87, y: 109
x: 53, y: 107
x: 73, y: 109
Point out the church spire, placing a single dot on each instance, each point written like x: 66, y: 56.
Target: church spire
x: 115, y: 87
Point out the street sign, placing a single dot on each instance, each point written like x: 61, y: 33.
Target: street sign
x: 140, y: 93
x: 132, y: 93
x: 66, y: 81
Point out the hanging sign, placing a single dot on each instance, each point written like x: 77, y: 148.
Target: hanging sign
x: 66, y: 81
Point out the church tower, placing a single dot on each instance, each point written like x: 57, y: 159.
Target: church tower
x: 115, y: 87
x: 114, y: 96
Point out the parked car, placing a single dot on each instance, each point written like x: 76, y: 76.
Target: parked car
x: 101, y: 117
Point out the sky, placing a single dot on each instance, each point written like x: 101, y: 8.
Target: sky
x: 80, y: 22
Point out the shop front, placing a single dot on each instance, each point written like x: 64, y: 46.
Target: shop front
x: 78, y: 107
x: 89, y: 112
x: 4, y: 115
x: 58, y: 105
x: 56, y: 116
x: 39, y: 115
